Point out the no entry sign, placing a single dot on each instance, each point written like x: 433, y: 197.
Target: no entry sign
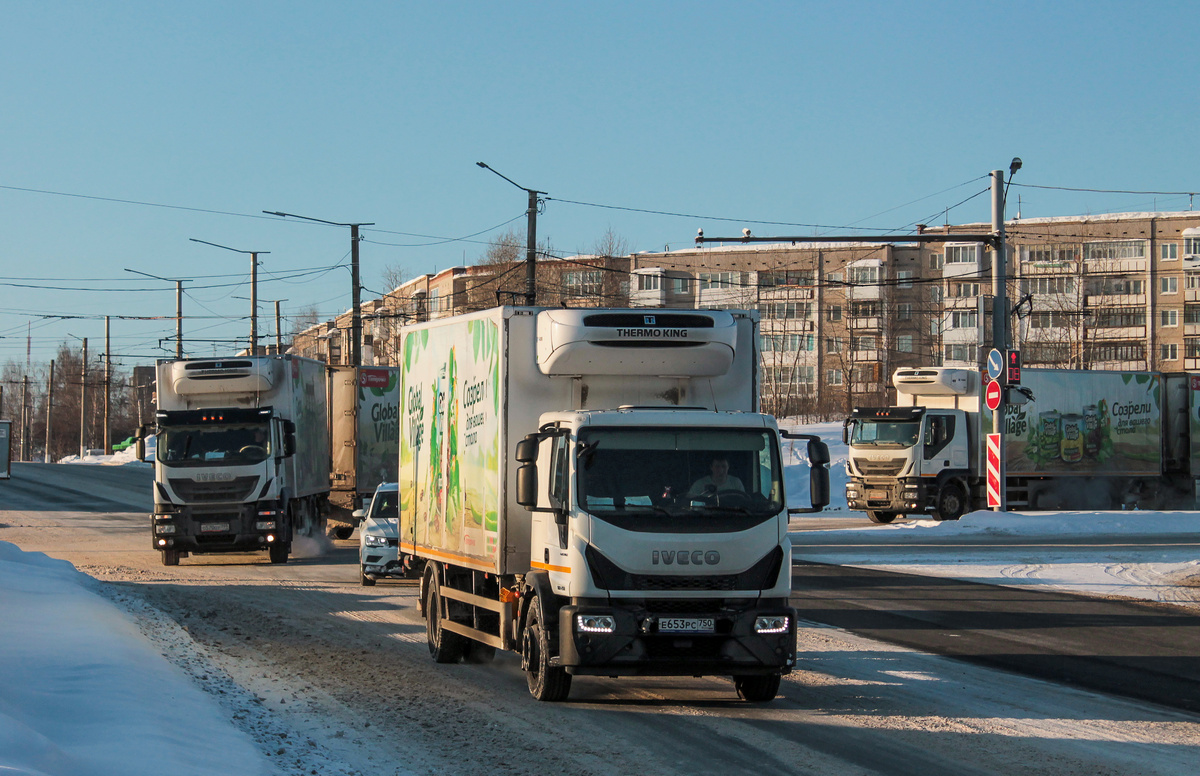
x: 992, y: 395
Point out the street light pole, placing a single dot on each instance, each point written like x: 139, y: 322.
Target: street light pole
x: 530, y: 236
x: 253, y: 290
x: 178, y: 308
x: 356, y: 289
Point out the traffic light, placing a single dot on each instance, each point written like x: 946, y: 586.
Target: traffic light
x: 1013, y: 368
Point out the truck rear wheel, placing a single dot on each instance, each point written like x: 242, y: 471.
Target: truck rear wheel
x: 757, y: 689
x: 170, y: 557
x: 952, y: 502
x: 546, y: 682
x: 343, y: 531
x: 444, y: 646
x: 881, y: 517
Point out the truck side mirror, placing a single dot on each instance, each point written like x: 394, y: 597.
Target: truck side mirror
x: 527, y: 483
x: 289, y: 438
x: 139, y: 444
x: 527, y: 449
x: 846, y: 432
x: 818, y: 473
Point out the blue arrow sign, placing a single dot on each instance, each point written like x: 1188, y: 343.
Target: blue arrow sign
x: 995, y: 364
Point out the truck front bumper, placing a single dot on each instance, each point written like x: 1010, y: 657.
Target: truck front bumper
x: 234, y: 528
x: 637, y: 640
x: 900, y: 496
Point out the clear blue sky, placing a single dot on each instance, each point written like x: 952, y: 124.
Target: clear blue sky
x: 866, y: 115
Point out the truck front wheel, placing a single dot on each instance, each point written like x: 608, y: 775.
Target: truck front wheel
x: 170, y: 557
x: 757, y: 689
x: 444, y: 646
x: 546, y: 682
x: 881, y: 517
x: 279, y: 552
x: 952, y: 502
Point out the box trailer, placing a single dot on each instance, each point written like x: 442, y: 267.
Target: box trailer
x: 364, y: 429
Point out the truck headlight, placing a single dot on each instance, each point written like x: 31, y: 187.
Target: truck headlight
x: 164, y: 528
x: 375, y: 541
x: 595, y: 623
x: 775, y: 623
x: 265, y: 525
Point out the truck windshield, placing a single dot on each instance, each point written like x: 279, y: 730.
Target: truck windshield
x: 885, y: 433
x: 231, y: 445
x: 672, y: 479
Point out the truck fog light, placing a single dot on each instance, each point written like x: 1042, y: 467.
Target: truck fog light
x: 162, y: 542
x: 270, y: 537
x: 777, y: 623
x: 164, y: 529
x: 265, y: 525
x: 595, y: 623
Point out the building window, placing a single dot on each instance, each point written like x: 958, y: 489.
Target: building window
x: 649, y: 282
x: 1049, y: 285
x: 1191, y: 247
x: 904, y: 279
x: 1169, y: 317
x: 1168, y: 285
x: 904, y: 312
x: 936, y: 260
x: 833, y: 377
x: 864, y: 309
x: 1114, y: 286
x: 962, y: 352
x: 789, y: 278
x: 1112, y: 250
x: 1119, y: 318
x: 681, y: 286
x: 582, y: 283
x: 904, y: 343
x: 1052, y: 319
x: 834, y: 277
x: 865, y: 342
x: 935, y: 294
x: 964, y: 319
x: 833, y: 345
x: 864, y: 276
x: 962, y: 254
x: 834, y: 313
x: 1168, y: 352
x: 1168, y: 251
x: 964, y: 290
x: 721, y: 280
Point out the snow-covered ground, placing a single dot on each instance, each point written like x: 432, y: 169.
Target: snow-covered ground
x: 85, y: 690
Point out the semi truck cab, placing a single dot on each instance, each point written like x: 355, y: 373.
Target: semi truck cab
x: 908, y: 460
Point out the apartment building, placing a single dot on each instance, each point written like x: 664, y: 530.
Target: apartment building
x: 1118, y: 291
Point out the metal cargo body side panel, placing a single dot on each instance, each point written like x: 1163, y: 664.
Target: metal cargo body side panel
x: 451, y: 455
x: 377, y: 405
x: 342, y: 427
x: 1085, y: 423
x: 304, y: 403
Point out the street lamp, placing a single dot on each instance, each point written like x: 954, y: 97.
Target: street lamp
x: 530, y: 237
x: 253, y: 290
x: 356, y: 290
x: 178, y: 308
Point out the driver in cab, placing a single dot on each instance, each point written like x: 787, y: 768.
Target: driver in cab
x: 717, y: 481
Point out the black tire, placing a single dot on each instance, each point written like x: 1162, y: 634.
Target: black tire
x: 952, y: 502
x: 366, y: 581
x: 343, y: 532
x: 444, y: 646
x: 757, y: 689
x: 883, y: 518
x: 170, y: 557
x: 546, y: 683
x: 279, y: 552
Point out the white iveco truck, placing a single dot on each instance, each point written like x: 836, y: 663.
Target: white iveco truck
x: 242, y: 458
x: 596, y: 490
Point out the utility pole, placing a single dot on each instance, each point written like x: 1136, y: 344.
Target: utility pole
x: 49, y: 407
x: 25, y: 418
x: 999, y: 266
x: 83, y: 436
x: 107, y: 388
x: 178, y: 319
x: 253, y: 290
x: 355, y: 288
x: 530, y: 236
x: 278, y: 333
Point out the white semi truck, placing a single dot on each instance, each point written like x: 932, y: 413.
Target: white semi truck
x: 242, y: 458
x: 364, y: 429
x: 1075, y: 440
x: 596, y: 491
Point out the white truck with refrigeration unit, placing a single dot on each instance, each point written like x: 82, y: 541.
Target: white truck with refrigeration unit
x: 242, y: 458
x: 596, y: 491
x: 1072, y: 440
